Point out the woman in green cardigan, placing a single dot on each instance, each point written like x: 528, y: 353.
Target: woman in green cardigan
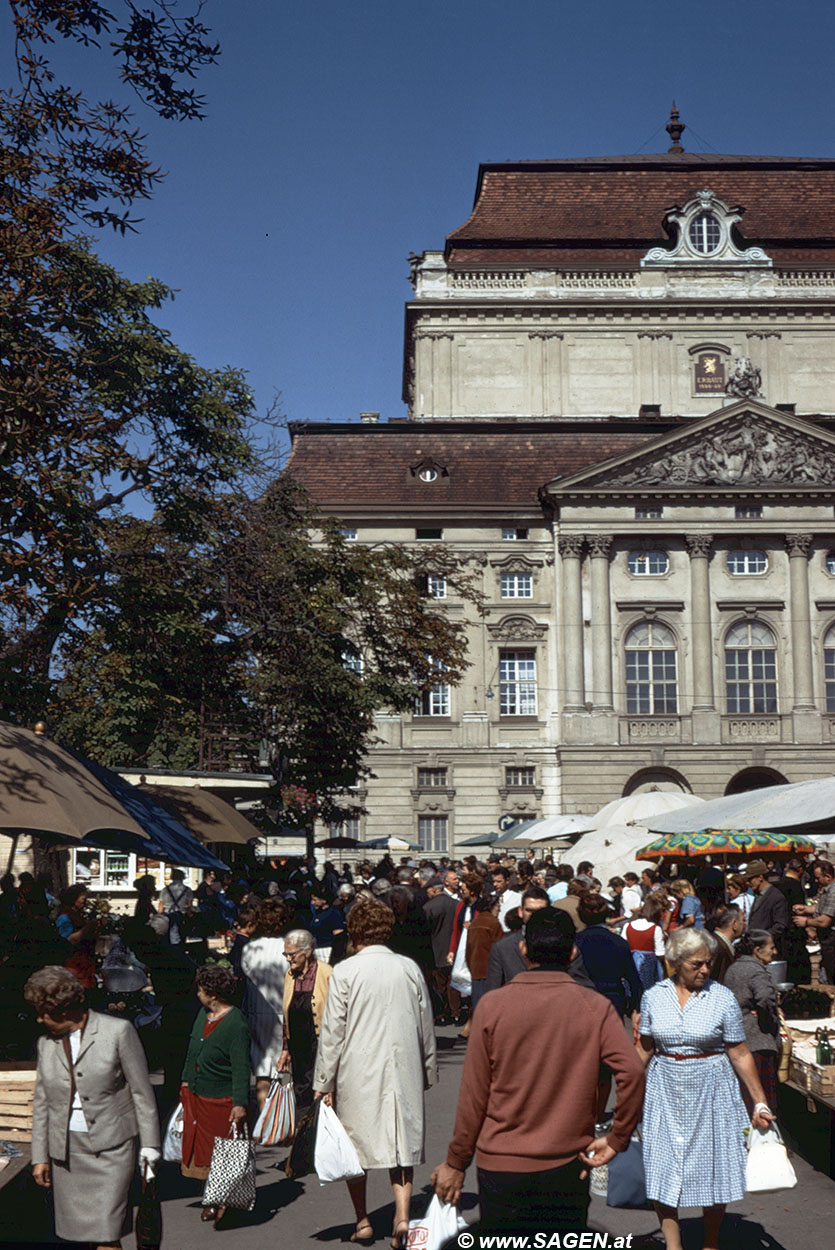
x: 215, y: 1083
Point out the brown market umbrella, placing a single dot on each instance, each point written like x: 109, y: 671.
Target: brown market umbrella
x: 47, y: 792
x: 207, y: 817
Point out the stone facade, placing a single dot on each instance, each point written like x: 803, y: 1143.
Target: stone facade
x: 632, y: 447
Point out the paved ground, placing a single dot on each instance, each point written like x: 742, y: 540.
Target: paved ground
x: 295, y: 1215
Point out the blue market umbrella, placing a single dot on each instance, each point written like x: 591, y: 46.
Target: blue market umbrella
x: 167, y: 839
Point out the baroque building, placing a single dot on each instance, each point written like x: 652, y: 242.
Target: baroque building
x: 620, y: 379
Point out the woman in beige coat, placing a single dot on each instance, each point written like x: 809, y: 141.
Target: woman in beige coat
x: 92, y: 1097
x: 377, y: 1058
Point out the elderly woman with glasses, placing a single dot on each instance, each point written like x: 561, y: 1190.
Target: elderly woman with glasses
x: 693, y: 1040
x: 305, y: 995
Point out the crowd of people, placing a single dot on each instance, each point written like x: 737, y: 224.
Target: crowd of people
x: 341, y: 978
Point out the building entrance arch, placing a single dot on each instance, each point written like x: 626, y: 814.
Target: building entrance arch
x: 647, y: 779
x: 754, y: 779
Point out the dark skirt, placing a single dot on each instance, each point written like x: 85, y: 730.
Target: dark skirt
x: 766, y: 1065
x: 204, y: 1119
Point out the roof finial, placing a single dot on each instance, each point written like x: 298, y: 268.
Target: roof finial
x: 674, y: 129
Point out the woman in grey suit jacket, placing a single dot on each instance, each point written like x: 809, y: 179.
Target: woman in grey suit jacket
x: 92, y: 1097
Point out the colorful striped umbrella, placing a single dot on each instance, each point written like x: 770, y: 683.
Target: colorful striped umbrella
x: 749, y: 842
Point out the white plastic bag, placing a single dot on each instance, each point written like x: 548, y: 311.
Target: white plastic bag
x: 768, y: 1167
x: 441, y: 1222
x: 172, y: 1145
x: 334, y: 1156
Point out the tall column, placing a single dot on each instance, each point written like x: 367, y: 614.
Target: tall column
x: 698, y: 547
x: 571, y: 633
x: 798, y: 546
x: 601, y: 622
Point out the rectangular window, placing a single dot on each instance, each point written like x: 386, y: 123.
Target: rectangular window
x: 429, y: 534
x: 520, y: 777
x: 429, y: 778
x: 435, y: 700
x: 513, y: 533
x: 436, y: 587
x: 648, y: 512
x: 744, y: 511
x: 517, y: 683
x: 116, y: 868
x: 651, y: 686
x: 517, y: 585
x: 348, y: 532
x: 433, y: 833
x: 751, y: 680
x: 346, y: 828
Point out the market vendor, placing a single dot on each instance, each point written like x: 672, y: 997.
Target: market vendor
x: 821, y: 916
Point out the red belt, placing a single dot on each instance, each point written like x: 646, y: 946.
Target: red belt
x: 704, y: 1054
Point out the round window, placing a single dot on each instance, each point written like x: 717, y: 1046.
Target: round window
x: 428, y: 475
x: 705, y: 233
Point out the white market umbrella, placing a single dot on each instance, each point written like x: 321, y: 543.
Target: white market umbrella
x: 635, y: 809
x: 776, y: 808
x: 547, y: 829
x: 612, y: 850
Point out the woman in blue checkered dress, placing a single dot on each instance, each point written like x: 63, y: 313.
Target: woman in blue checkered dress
x: 693, y: 1040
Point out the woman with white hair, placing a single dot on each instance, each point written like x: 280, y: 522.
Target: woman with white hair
x: 305, y: 995
x: 693, y: 1040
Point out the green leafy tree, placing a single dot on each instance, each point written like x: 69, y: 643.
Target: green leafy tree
x: 301, y: 638
x: 97, y: 405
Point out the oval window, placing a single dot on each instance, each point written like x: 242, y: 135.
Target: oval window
x: 428, y: 475
x: 705, y: 233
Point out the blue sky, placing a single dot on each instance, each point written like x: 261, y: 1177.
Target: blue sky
x: 340, y: 137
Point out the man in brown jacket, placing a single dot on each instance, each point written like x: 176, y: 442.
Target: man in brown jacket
x: 528, y: 1096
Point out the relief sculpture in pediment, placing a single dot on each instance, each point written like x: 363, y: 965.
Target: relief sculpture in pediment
x: 744, y: 454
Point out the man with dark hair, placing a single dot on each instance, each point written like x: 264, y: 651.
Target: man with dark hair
x: 541, y: 1032
x: 508, y: 899
x: 821, y: 916
x: 506, y: 959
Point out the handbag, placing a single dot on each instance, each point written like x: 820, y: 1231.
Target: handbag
x: 440, y: 1223
x: 231, y: 1180
x: 335, y: 1156
x: 172, y: 1143
x: 768, y: 1167
x: 300, y: 1162
x: 627, y: 1185
x: 148, y: 1226
x: 277, y: 1122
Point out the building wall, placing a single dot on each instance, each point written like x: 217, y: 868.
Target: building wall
x: 609, y: 342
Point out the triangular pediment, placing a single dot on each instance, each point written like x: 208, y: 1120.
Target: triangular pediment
x: 746, y: 446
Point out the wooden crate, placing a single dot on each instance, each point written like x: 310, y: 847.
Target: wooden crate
x: 812, y: 1076
x: 17, y: 1091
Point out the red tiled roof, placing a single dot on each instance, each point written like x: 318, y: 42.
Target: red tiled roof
x: 361, y: 464
x: 620, y: 203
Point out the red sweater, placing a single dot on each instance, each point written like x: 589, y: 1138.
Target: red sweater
x: 528, y: 1094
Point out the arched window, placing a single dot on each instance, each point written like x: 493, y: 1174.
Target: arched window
x: 750, y: 668
x: 651, y: 685
x: 829, y: 667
